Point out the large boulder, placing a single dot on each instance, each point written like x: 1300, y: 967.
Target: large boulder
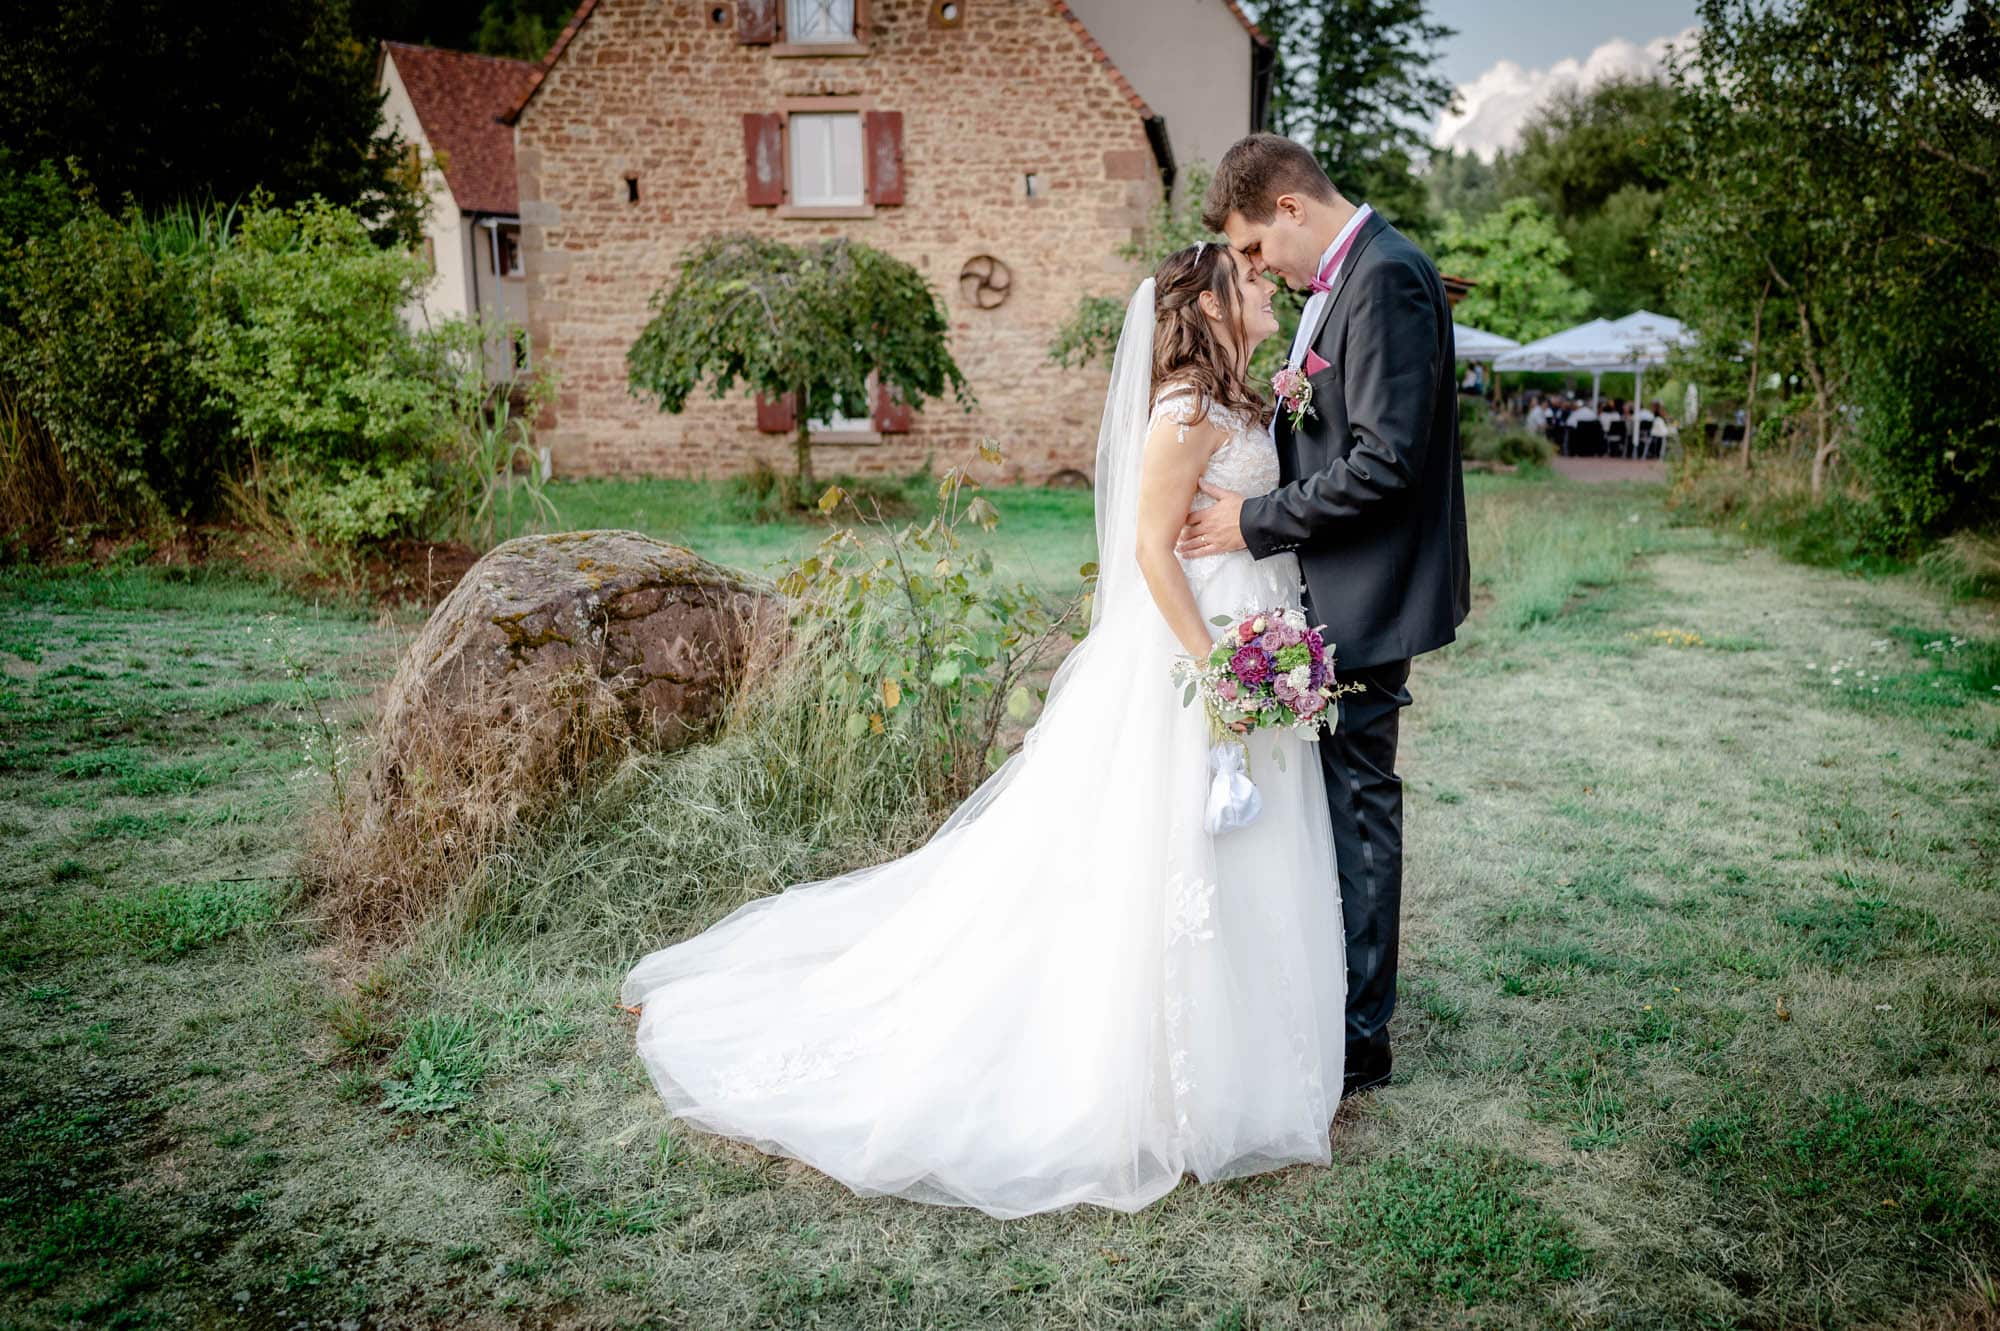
x: 551, y: 652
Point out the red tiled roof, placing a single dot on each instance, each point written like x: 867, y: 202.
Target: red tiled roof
x: 459, y: 98
x: 1256, y: 33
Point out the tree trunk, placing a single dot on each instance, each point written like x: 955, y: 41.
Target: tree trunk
x: 1750, y: 402
x: 1826, y: 445
x: 802, y: 443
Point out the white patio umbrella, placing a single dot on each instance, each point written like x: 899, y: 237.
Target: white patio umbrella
x: 1630, y: 344
x: 1478, y: 344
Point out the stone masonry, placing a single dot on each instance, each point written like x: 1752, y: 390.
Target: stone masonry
x: 655, y: 91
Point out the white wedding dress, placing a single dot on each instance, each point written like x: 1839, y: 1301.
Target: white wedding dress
x: 1071, y: 993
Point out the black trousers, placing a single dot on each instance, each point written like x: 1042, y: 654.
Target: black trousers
x: 1364, y: 796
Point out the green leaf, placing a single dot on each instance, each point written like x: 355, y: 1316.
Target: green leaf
x: 1020, y: 703
x: 946, y: 673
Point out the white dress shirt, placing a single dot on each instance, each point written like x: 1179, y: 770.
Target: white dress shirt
x: 1317, y: 301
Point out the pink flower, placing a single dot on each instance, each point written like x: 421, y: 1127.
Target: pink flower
x: 1309, y: 706
x: 1227, y: 688
x: 1250, y: 665
x: 1246, y: 630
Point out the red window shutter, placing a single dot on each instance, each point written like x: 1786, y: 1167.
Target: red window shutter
x: 882, y: 133
x: 764, y: 158
x: 777, y: 415
x: 892, y: 414
x: 757, y: 21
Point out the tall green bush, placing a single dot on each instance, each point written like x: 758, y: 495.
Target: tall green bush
x: 93, y: 346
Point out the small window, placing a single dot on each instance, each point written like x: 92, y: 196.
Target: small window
x: 835, y: 423
x: 826, y: 163
x: 1031, y: 184
x: 809, y: 22
x: 507, y: 249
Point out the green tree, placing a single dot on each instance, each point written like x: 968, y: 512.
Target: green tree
x: 169, y: 102
x: 1458, y: 182
x: 519, y: 29
x: 1516, y: 257
x: 1354, y: 83
x: 1836, y: 163
x: 814, y: 321
x: 1596, y: 162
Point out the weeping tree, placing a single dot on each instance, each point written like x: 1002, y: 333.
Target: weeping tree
x: 809, y: 322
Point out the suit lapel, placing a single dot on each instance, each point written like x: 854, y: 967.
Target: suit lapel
x: 1370, y: 229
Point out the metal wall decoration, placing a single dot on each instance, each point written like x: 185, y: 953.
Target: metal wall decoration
x: 985, y: 281
x: 947, y: 13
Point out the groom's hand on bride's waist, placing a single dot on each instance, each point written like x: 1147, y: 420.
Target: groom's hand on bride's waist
x: 1216, y: 529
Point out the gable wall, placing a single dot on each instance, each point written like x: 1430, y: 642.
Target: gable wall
x: 650, y: 87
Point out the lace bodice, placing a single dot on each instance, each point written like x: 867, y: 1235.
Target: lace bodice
x: 1246, y: 462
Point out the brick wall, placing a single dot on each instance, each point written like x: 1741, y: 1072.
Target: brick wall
x: 656, y: 90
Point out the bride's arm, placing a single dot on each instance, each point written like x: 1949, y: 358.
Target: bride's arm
x: 1174, y: 459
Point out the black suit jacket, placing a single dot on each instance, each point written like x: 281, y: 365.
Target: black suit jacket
x: 1370, y: 493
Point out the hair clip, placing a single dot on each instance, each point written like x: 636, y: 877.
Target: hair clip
x: 1199, y: 246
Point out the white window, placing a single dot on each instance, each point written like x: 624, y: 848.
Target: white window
x: 808, y: 21
x: 825, y: 150
x: 837, y: 423
x: 507, y: 249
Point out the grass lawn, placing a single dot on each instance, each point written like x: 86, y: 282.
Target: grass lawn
x: 1045, y: 538
x: 1699, y: 1021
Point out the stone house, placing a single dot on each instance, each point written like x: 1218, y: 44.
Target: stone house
x: 447, y: 106
x: 998, y: 146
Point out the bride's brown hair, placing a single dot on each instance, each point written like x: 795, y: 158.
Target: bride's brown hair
x: 1186, y: 349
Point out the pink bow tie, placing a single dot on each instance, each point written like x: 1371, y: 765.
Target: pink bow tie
x: 1324, y: 280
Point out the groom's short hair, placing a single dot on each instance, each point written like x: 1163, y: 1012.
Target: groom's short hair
x: 1254, y: 172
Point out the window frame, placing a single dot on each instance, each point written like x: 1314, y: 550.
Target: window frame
x: 790, y: 106
x: 784, y: 48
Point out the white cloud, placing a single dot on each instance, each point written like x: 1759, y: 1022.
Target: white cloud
x: 1493, y: 106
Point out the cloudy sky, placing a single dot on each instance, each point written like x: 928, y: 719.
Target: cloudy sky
x: 1508, y: 58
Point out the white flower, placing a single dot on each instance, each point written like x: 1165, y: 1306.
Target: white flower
x: 1301, y: 677
x: 1295, y: 618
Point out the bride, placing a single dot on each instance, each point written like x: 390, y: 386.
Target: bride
x: 1071, y: 993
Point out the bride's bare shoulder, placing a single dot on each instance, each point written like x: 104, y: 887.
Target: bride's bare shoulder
x: 1188, y: 408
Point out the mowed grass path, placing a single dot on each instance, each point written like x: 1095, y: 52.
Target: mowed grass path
x: 1700, y: 1025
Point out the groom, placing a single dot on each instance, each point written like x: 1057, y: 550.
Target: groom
x: 1371, y: 499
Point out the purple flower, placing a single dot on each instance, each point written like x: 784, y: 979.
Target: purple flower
x: 1309, y: 706
x: 1319, y: 672
x: 1282, y: 635
x: 1250, y: 665
x: 1315, y: 641
x: 1281, y: 688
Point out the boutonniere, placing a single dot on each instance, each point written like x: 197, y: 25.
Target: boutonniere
x: 1295, y: 391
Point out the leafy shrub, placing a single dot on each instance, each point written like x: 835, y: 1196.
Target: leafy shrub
x: 94, y: 350
x: 1508, y: 447
x: 303, y: 341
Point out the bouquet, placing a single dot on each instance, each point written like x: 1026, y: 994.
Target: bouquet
x: 1267, y: 669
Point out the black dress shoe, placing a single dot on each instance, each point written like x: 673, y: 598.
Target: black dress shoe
x: 1365, y: 1075
x: 1356, y: 1083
